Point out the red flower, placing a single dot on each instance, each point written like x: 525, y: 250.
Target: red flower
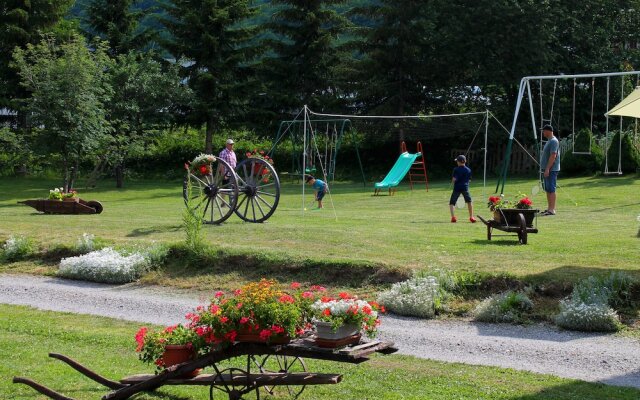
x: 214, y: 309
x: 307, y: 295
x: 159, y: 362
x: 170, y: 329
x: 318, y: 288
x: 367, y: 310
x: 224, y: 320
x: 237, y: 292
x: 326, y: 299
x: 277, y: 329
x: 295, y: 285
x: 244, y: 320
x: 265, y: 334
x: 203, y: 169
x: 202, y: 330
x: 142, y: 332
x: 343, y: 295
x: 239, y: 306
x: 231, y: 336
x: 285, y: 298
x: 326, y: 312
x: 219, y: 293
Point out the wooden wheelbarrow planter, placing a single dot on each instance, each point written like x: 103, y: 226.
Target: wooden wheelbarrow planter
x: 236, y: 383
x: 64, y: 207
x: 520, y: 222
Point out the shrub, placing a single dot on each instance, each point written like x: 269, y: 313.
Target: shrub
x: 156, y: 255
x: 106, y: 265
x: 630, y: 154
x: 588, y: 308
x: 581, y: 164
x: 578, y: 316
x: 503, y: 307
x: 16, y: 248
x: 419, y: 297
x: 85, y: 243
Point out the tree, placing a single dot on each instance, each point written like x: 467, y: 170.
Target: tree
x: 219, y: 54
x: 116, y: 22
x: 143, y: 102
x: 68, y: 92
x: 304, y: 46
x: 23, y: 22
x: 393, y: 74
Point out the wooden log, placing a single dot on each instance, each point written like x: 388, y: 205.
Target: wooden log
x: 237, y: 379
x: 87, y: 372
x: 52, y: 394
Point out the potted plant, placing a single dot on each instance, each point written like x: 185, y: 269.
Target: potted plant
x: 344, y: 318
x: 201, y: 165
x: 61, y: 195
x: 258, y: 169
x: 507, y: 212
x: 173, y: 345
x: 257, y: 312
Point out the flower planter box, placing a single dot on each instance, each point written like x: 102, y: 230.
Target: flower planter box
x: 175, y: 354
x: 254, y: 337
x: 344, y: 335
x: 72, y: 206
x: 509, y: 216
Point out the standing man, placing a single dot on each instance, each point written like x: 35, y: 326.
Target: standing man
x: 550, y: 166
x: 229, y: 156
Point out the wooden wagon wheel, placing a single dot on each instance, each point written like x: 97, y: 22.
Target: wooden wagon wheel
x: 259, y: 190
x: 522, y: 233
x: 278, y: 363
x: 215, y: 194
x: 234, y: 391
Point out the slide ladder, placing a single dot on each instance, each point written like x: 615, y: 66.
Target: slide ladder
x: 418, y: 170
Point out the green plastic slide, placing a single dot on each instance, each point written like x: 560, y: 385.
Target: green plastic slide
x: 399, y: 170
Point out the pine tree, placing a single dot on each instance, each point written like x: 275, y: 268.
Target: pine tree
x: 215, y: 44
x: 22, y: 22
x: 305, y: 54
x: 119, y: 24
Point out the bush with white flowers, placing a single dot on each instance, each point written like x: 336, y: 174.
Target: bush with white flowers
x: 503, y: 307
x: 16, y: 248
x: 579, y: 316
x: 106, y: 265
x: 589, y: 307
x: 418, y: 297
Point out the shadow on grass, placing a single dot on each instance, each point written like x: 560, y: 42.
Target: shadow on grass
x: 184, y: 263
x: 499, y: 242
x: 573, y: 273
x: 616, y: 207
x: 155, y: 229
x: 583, y: 391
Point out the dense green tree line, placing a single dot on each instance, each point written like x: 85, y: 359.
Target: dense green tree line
x: 224, y: 64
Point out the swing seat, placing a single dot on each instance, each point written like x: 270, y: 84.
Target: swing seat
x: 397, y: 173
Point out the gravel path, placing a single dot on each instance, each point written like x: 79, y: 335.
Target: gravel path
x: 539, y: 348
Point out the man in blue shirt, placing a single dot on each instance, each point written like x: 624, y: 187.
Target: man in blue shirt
x: 460, y: 180
x: 550, y: 166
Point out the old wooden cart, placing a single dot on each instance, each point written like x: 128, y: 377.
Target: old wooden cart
x: 251, y: 191
x: 520, y: 222
x: 265, y: 369
x: 71, y: 206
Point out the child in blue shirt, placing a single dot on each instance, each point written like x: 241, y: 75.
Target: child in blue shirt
x: 460, y: 180
x: 320, y: 188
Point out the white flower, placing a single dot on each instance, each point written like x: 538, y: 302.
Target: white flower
x: 106, y: 265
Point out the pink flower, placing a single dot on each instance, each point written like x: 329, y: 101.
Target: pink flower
x: 237, y: 292
x: 244, y: 320
x: 295, y: 285
x: 318, y: 288
x: 285, y: 298
x: 307, y: 295
x: 219, y: 293
x: 214, y: 309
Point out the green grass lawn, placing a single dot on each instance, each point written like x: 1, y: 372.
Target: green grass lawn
x: 107, y: 346
x: 595, y: 229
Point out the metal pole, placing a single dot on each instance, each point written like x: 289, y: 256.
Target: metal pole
x: 304, y: 155
x: 484, y: 178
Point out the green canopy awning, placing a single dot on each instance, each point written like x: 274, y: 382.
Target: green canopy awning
x: 629, y: 107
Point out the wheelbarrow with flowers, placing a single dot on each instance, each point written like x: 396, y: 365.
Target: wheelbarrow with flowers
x: 216, y: 191
x: 64, y: 202
x: 518, y: 217
x: 247, y: 344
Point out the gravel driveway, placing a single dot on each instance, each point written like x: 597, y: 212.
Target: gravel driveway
x: 539, y: 348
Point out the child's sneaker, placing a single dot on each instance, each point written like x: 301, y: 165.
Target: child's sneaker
x: 473, y: 220
x: 454, y: 219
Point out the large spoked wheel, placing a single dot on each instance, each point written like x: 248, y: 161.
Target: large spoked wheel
x: 278, y: 363
x: 214, y: 195
x: 259, y: 188
x: 234, y: 389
